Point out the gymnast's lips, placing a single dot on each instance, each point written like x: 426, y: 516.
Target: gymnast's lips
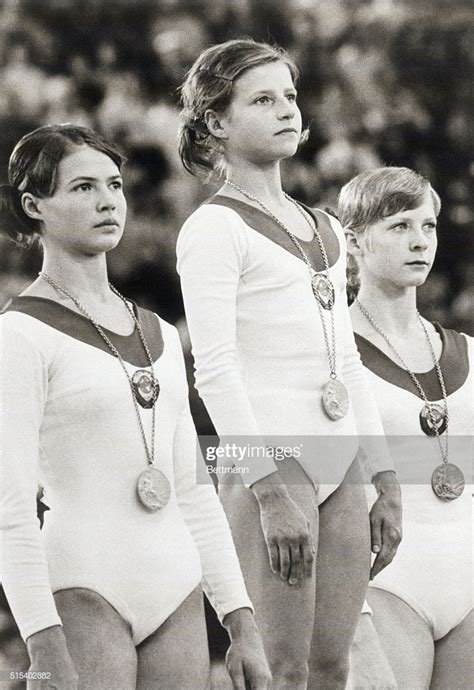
x: 107, y: 222
x: 287, y: 130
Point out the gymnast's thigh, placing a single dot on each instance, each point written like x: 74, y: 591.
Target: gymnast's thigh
x: 176, y: 655
x: 405, y: 637
x: 454, y: 660
x: 284, y: 613
x: 98, y: 639
x: 342, y: 572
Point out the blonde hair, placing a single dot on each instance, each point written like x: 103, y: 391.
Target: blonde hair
x: 374, y: 195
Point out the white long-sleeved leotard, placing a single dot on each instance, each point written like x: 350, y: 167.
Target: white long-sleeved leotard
x: 433, y: 568
x: 258, y: 342
x: 69, y: 424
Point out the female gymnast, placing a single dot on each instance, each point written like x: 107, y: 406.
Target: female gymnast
x: 421, y: 374
x: 263, y: 280
x: 95, y: 410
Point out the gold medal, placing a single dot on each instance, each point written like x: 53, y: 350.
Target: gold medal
x: 153, y: 489
x: 335, y: 399
x: 447, y: 481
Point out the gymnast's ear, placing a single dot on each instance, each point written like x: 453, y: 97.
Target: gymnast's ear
x: 353, y: 241
x: 215, y: 124
x: 29, y: 203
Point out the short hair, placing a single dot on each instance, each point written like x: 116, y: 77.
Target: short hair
x: 374, y: 195
x: 209, y: 85
x: 33, y: 167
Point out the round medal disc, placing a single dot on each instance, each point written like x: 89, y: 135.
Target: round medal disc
x: 153, y: 489
x: 323, y: 290
x: 335, y: 399
x: 447, y: 481
x: 432, y: 418
x: 146, y: 388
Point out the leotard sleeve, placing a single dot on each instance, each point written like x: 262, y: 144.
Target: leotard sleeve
x: 222, y: 578
x: 369, y: 424
x: 23, y: 568
x: 211, y: 257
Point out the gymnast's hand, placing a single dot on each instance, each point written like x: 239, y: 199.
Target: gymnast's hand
x: 245, y: 659
x: 385, y: 521
x: 286, y: 530
x: 49, y: 656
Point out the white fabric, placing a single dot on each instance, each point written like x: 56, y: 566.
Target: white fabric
x: 433, y: 568
x: 68, y: 423
x: 258, y: 344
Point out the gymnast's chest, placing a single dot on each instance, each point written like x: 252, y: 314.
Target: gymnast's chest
x: 272, y: 272
x: 86, y: 384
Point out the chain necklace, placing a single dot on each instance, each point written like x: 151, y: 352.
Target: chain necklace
x: 321, y: 284
x: 335, y: 398
x: 447, y: 479
x: 153, y: 488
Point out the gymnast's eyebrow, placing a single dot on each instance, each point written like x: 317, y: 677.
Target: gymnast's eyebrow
x: 92, y: 179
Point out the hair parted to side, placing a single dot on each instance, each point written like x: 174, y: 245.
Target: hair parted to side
x: 374, y: 195
x: 33, y: 167
x: 209, y: 85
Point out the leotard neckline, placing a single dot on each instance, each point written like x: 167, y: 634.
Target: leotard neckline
x: 75, y: 325
x: 454, y: 363
x: 265, y: 225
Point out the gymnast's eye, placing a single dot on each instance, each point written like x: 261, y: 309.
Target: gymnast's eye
x: 262, y: 100
x: 83, y: 187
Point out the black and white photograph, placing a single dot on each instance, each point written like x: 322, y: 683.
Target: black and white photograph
x: 236, y: 345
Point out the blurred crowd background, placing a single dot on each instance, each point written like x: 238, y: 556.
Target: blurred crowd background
x: 382, y: 82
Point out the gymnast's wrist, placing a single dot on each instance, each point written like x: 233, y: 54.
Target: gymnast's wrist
x: 239, y: 622
x: 386, y: 481
x: 46, y: 639
x: 269, y: 490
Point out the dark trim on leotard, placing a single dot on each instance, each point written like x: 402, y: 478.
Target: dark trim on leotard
x: 266, y: 226
x: 77, y: 326
x: 454, y: 363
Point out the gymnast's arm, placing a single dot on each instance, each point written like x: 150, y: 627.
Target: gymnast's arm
x: 24, y: 383
x: 386, y: 513
x: 222, y: 577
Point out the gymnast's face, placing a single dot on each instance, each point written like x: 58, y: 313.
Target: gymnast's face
x: 86, y: 213
x: 400, y: 249
x: 263, y: 122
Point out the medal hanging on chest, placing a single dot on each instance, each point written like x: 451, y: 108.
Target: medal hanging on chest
x: 334, y: 398
x: 323, y: 289
x: 433, y: 419
x: 447, y: 479
x: 153, y: 489
x: 146, y: 388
